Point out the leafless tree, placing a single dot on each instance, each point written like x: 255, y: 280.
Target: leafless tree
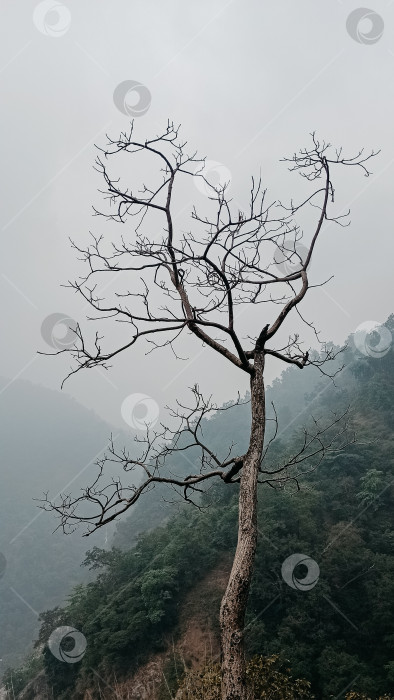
x: 194, y: 282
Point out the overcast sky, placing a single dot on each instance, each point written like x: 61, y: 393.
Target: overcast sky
x: 248, y: 81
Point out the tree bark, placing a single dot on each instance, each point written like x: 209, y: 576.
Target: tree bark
x: 234, y: 602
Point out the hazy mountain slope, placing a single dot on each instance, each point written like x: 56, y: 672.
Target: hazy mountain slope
x: 47, y: 441
x: 291, y: 397
x: 337, y: 634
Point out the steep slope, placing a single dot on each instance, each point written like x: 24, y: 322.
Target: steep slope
x: 147, y: 611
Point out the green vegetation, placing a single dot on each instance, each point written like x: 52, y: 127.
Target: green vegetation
x: 339, y: 635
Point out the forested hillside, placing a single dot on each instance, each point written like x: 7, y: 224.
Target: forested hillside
x: 336, y: 632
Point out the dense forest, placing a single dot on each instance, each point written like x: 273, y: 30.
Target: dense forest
x: 336, y: 633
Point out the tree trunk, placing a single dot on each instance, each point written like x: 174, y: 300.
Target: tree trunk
x: 234, y: 602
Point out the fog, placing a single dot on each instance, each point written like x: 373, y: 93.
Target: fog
x: 248, y: 82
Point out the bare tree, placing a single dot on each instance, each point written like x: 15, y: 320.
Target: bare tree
x: 193, y: 282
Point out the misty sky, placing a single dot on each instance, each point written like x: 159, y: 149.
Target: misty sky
x: 248, y: 81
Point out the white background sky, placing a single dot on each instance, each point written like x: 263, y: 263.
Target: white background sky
x: 248, y: 81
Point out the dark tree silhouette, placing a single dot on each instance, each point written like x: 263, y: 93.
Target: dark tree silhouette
x: 193, y: 282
